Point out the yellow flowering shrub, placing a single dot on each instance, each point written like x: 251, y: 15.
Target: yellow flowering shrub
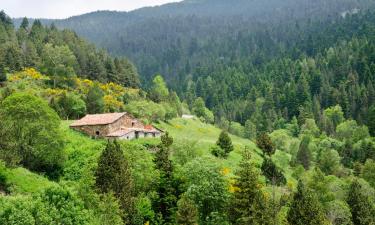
x: 27, y: 73
x: 111, y: 104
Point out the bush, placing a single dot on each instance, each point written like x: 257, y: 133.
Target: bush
x: 31, y: 134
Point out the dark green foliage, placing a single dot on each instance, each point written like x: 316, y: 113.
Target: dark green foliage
x: 304, y: 154
x: 295, y: 59
x: 305, y: 208
x: 94, y: 100
x: 360, y: 206
x: 187, y: 213
x: 113, y: 175
x: 59, y: 54
x: 218, y: 152
x: 30, y: 134
x: 264, y: 142
x: 166, y: 189
x: 69, y: 106
x: 225, y: 143
x: 371, y: 120
x: 249, y: 205
x: 273, y: 174
x: 3, y: 76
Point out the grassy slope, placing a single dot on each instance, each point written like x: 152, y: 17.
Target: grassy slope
x: 83, y: 151
x: 206, y: 136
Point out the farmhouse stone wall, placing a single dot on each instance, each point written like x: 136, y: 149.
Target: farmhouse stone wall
x: 125, y: 121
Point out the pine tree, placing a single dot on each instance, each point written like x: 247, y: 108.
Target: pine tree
x: 167, y: 192
x: 249, y: 205
x: 225, y: 142
x: 360, y: 206
x: 272, y: 173
x: 113, y: 175
x: 264, y: 142
x: 187, y: 213
x: 371, y: 120
x: 305, y: 208
x: 304, y: 155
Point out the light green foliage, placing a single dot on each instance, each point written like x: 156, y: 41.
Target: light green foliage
x: 159, y: 91
x: 94, y: 100
x: 206, y: 186
x: 368, y: 172
x: 329, y: 161
x: 53, y: 206
x: 147, y: 110
x: 350, y: 130
x: 310, y: 128
x: 143, y: 211
x: 333, y: 116
x: 30, y: 134
x: 109, y: 211
x: 185, y: 151
x: 237, y: 129
x: 58, y: 62
x: 338, y: 213
x: 200, y: 110
x: 250, y: 130
x: 141, y: 163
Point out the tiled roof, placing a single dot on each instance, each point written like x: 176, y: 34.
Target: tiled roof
x: 120, y: 133
x: 98, y: 119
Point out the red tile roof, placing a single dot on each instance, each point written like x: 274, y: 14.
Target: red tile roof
x: 98, y: 119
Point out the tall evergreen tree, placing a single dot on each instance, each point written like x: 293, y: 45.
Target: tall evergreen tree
x: 305, y: 208
x: 361, y: 208
x: 113, y: 175
x: 249, y: 206
x: 166, y: 203
x: 304, y: 154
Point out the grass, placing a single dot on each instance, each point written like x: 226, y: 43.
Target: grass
x: 23, y: 181
x: 205, y: 136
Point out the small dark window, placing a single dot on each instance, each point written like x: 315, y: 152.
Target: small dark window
x: 133, y: 123
x: 97, y: 133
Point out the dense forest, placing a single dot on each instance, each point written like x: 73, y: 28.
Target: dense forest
x: 283, y: 98
x: 267, y: 63
x: 59, y: 53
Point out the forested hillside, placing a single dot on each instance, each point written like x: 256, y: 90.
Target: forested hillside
x: 282, y: 95
x: 60, y: 54
x: 267, y: 64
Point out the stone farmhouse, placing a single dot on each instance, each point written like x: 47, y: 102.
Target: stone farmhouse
x: 120, y: 126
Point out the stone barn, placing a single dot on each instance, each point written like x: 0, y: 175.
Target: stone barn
x: 121, y: 126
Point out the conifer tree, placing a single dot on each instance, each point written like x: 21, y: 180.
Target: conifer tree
x: 305, y: 208
x: 371, y: 120
x: 304, y: 155
x: 187, y: 213
x: 167, y: 192
x: 249, y: 206
x: 360, y: 206
x: 264, y: 142
x: 225, y: 142
x: 113, y: 175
